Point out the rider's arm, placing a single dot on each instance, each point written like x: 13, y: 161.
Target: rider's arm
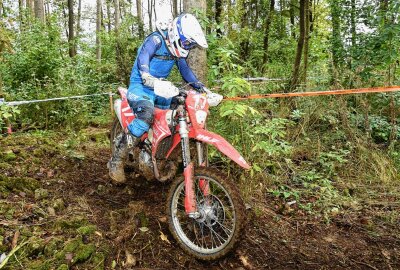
x: 187, y: 74
x: 149, y: 48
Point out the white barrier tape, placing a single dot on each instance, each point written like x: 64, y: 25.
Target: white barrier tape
x: 16, y: 103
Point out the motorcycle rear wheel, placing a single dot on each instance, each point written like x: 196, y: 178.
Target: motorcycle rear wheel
x: 222, y: 219
x: 116, y: 129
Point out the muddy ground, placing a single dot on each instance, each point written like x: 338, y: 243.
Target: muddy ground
x: 59, y: 208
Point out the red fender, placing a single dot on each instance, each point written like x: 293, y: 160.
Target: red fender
x: 217, y: 141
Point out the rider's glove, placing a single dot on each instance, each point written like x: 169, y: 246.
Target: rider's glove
x: 213, y: 98
x: 148, y: 79
x: 203, y: 90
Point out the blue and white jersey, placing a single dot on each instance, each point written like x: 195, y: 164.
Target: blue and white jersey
x: 154, y: 58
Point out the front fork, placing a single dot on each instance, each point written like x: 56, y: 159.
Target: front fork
x: 188, y: 172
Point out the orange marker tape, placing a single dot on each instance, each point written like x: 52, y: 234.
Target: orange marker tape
x: 320, y: 93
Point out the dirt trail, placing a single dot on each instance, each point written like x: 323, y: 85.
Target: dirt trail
x: 130, y: 225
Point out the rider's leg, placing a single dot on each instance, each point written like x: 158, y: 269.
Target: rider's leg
x: 120, y: 154
x: 142, y: 104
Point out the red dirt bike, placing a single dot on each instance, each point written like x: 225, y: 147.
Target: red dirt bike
x: 206, y: 213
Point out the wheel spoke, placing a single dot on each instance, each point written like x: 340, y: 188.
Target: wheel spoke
x: 214, y: 229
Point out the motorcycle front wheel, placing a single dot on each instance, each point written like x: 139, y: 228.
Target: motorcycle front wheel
x: 222, y: 215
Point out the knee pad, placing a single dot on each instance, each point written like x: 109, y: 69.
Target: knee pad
x: 138, y: 127
x: 144, y: 110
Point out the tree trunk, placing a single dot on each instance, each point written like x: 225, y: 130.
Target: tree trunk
x: 218, y: 12
x: 47, y: 10
x: 198, y: 58
x: 245, y: 43
x: 140, y: 18
x: 150, y: 12
x: 337, y: 45
x: 267, y: 27
x: 1, y: 15
x: 307, y: 9
x: 78, y: 21
x: 39, y: 10
x: 29, y: 6
x: 353, y: 23
x: 21, y: 10
x: 300, y: 44
x: 65, y: 19
x: 154, y: 10
x: 292, y: 6
x: 175, y: 10
x: 98, y: 30
x: 108, y: 9
x: 71, y: 30
x: 117, y: 14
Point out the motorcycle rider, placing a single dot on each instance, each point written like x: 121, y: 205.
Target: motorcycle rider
x: 160, y: 51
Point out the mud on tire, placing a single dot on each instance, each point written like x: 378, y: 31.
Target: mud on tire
x: 223, y: 215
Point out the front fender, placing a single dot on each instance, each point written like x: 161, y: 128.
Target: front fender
x: 217, y: 141
x: 221, y: 144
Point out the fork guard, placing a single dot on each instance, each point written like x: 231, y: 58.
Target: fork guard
x: 217, y: 141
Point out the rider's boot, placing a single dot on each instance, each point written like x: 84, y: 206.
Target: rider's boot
x: 122, y: 145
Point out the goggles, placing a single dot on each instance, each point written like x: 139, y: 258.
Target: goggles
x: 188, y: 44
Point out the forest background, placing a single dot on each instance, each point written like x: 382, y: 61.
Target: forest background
x: 47, y: 50
x: 318, y: 156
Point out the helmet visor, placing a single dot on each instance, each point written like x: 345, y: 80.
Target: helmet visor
x: 188, y: 44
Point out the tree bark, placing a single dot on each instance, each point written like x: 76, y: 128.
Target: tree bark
x: 140, y: 18
x: 117, y: 14
x: 218, y: 12
x: 197, y: 59
x: 39, y: 10
x: 98, y: 31
x: 307, y: 8
x: 30, y: 6
x: 78, y: 20
x: 353, y: 23
x: 71, y: 30
x: 65, y: 19
x: 1, y: 15
x: 300, y: 44
x: 150, y: 12
x: 267, y: 27
x: 292, y: 7
x: 154, y: 10
x: 175, y: 8
x: 108, y: 8
x: 336, y: 45
x: 47, y: 10
x: 245, y: 43
x: 21, y: 10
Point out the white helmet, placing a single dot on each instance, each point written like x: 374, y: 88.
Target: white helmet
x: 184, y: 33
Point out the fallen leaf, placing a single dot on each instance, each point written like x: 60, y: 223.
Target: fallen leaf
x: 163, y: 219
x: 50, y: 173
x: 3, y: 257
x: 130, y: 259
x: 144, y: 229
x: 51, y: 211
x: 386, y: 253
x: 328, y: 239
x: 164, y: 238
x: 245, y: 262
x: 15, y: 240
x: 98, y: 233
x: 68, y: 257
